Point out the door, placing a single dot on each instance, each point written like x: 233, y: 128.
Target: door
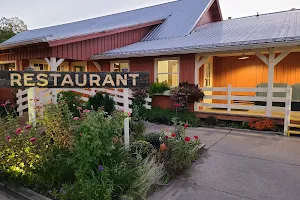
x: 208, y: 78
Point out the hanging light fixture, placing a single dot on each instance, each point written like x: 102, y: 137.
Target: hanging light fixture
x: 243, y: 57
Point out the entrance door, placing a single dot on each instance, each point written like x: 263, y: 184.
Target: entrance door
x: 208, y: 77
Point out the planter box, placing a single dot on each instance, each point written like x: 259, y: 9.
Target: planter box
x: 163, y: 101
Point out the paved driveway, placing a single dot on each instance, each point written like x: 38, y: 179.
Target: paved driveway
x: 238, y: 165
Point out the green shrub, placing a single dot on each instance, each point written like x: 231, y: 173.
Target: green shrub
x: 158, y: 88
x: 211, y: 121
x: 154, y: 139
x: 141, y: 149
x: 101, y: 101
x: 137, y: 126
x: 72, y: 99
x: 164, y: 116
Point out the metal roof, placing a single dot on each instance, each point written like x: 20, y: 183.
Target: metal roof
x: 281, y: 28
x: 181, y: 13
x: 119, y: 20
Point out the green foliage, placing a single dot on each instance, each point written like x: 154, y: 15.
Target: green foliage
x: 100, y: 101
x: 181, y: 150
x: 58, y: 124
x: 72, y: 99
x: 164, y: 116
x: 154, y: 139
x: 22, y: 149
x: 158, y: 88
x: 10, y: 27
x: 141, y: 149
x: 211, y: 121
x: 137, y: 126
x: 139, y: 95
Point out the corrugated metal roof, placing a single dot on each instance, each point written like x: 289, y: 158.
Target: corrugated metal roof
x: 280, y: 27
x: 119, y: 20
x: 182, y: 21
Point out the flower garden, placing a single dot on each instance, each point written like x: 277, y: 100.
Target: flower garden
x: 76, y: 151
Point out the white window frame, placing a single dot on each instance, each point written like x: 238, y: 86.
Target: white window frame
x: 211, y: 74
x: 10, y: 61
x: 118, y: 61
x: 166, y: 59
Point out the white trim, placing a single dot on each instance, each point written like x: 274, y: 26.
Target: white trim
x: 165, y: 59
x: 97, y: 65
x: 118, y: 61
x: 11, y: 61
x: 271, y: 67
x: 263, y: 58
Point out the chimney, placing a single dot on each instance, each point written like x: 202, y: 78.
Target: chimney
x: 257, y: 14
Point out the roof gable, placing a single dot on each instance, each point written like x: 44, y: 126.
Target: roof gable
x: 182, y: 21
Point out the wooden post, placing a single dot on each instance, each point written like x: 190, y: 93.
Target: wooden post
x: 288, y: 106
x: 126, y: 120
x: 229, y: 98
x: 271, y: 66
x: 21, y: 113
x: 31, y: 95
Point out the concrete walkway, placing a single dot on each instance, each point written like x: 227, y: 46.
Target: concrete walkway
x: 238, y: 165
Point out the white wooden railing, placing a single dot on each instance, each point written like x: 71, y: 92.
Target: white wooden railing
x: 229, y: 97
x: 122, y: 97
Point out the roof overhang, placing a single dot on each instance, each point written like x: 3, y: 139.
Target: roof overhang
x: 204, y: 49
x: 22, y: 43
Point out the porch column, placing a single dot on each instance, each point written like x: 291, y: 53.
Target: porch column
x: 198, y: 64
x: 271, y: 62
x: 271, y: 66
x: 97, y: 65
x: 53, y: 63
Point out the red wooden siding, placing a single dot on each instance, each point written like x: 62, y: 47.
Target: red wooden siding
x: 212, y: 15
x: 187, y: 68
x: 82, y: 50
x: 143, y: 64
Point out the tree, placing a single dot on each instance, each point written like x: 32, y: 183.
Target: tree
x: 10, y: 27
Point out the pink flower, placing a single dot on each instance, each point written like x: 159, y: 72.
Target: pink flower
x: 13, y: 106
x: 28, y: 126
x: 7, y: 138
x: 76, y: 118
x: 3, y: 104
x: 79, y: 108
x: 173, y: 135
x: 32, y: 140
x: 186, y: 126
x: 196, y: 137
x: 18, y: 131
x: 86, y: 111
x: 177, y: 105
x: 129, y: 114
x: 166, y: 137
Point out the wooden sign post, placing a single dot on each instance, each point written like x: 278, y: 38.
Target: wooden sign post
x: 32, y: 79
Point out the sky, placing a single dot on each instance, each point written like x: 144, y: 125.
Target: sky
x: 42, y: 13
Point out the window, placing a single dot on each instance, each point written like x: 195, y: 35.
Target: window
x: 63, y: 68
x: 207, y: 75
x: 41, y: 67
x: 167, y: 70
x: 78, y: 68
x: 120, y: 66
x: 8, y: 66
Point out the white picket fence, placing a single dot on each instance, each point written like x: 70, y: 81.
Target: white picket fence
x: 122, y: 97
x: 230, y: 99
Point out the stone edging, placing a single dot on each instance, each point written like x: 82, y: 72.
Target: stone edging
x: 21, y: 192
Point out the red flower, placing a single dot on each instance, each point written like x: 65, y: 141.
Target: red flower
x: 177, y: 105
x: 166, y: 137
x: 76, y: 118
x: 28, y: 126
x: 7, y: 138
x: 187, y: 139
x: 186, y: 126
x: 79, y: 108
x: 196, y: 137
x: 173, y: 135
x: 18, y: 131
x: 129, y: 114
x: 32, y: 140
